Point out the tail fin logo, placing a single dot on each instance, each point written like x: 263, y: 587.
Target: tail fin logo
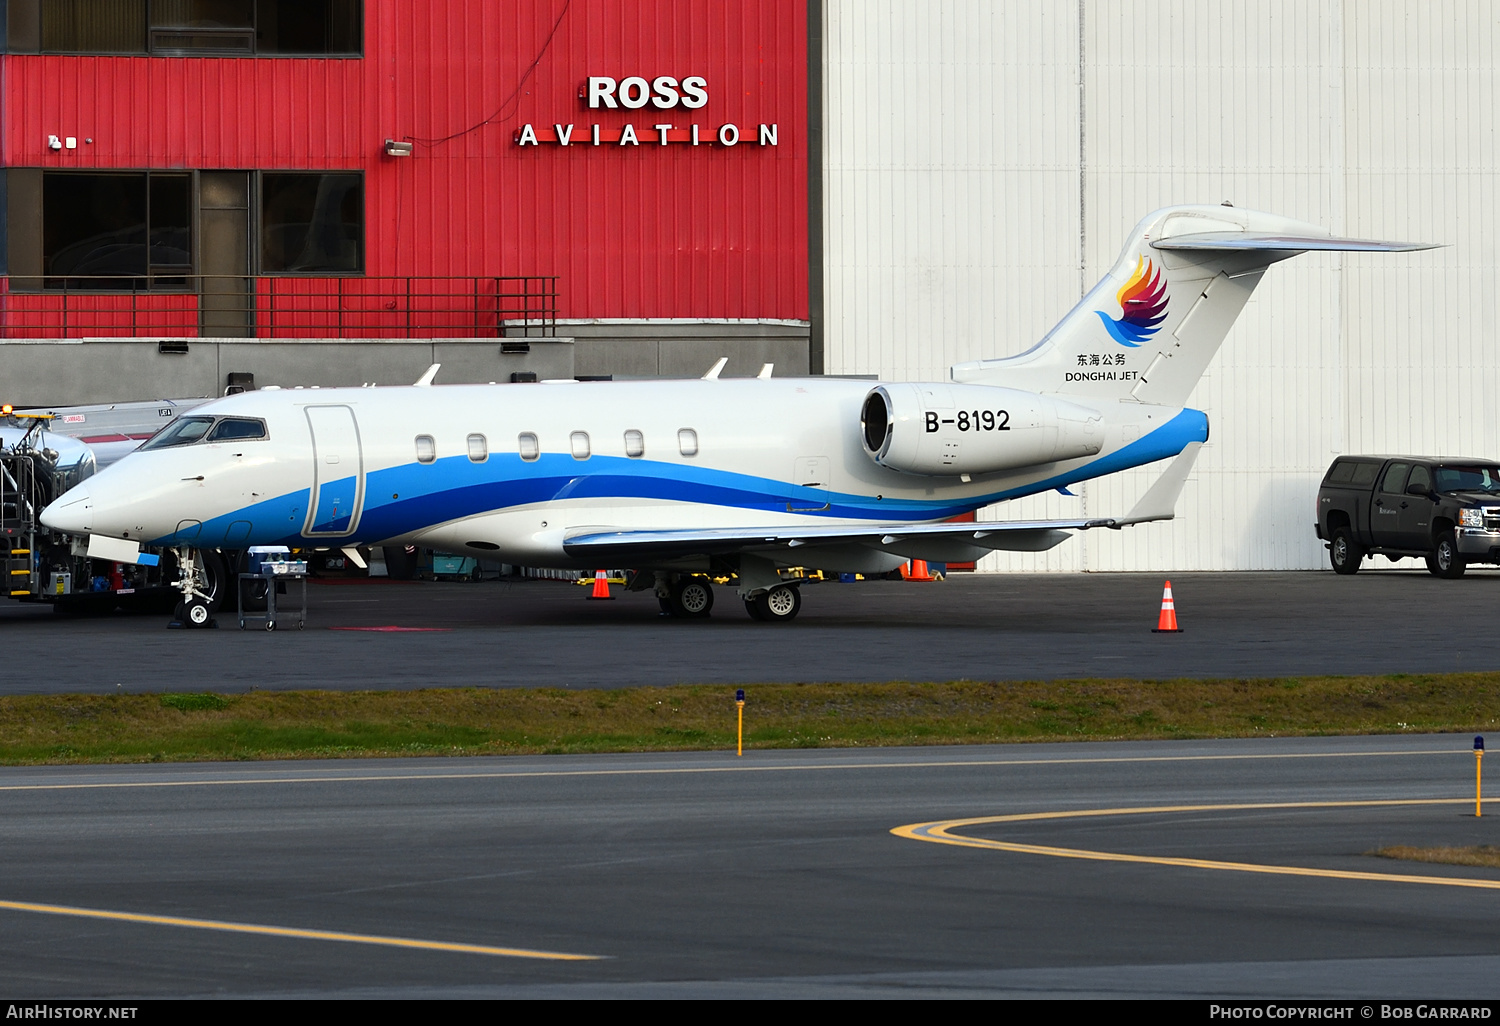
x: 1143, y: 306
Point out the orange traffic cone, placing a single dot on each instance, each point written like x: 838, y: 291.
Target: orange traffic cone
x: 1167, y: 623
x: 601, y: 586
x: 918, y: 571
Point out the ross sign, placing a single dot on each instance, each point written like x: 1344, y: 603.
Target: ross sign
x: 664, y: 92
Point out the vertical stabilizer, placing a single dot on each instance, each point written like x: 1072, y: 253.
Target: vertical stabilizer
x: 1148, y: 330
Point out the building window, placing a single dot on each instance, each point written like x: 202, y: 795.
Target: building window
x: 220, y: 28
x: 311, y: 223
x: 687, y: 442
x: 479, y: 449
x: 93, y: 26
x: 117, y: 230
x: 635, y: 444
x: 530, y: 447
x: 426, y: 449
x: 580, y: 442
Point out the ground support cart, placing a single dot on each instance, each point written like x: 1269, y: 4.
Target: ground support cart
x: 273, y: 574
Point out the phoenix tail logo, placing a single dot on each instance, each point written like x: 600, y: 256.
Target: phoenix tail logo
x: 1143, y: 306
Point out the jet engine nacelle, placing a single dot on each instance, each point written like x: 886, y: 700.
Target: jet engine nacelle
x: 948, y: 430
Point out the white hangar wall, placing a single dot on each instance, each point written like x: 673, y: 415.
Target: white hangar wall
x: 984, y: 161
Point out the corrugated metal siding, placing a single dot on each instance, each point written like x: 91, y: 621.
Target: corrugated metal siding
x: 951, y: 190
x: 1375, y: 119
x: 632, y: 231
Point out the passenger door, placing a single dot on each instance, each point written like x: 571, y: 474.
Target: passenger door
x: 1390, y: 501
x: 338, y: 491
x: 1416, y: 510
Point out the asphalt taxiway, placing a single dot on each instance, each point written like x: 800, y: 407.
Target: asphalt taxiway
x: 778, y: 874
x: 383, y: 634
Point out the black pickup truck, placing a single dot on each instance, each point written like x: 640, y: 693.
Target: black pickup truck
x: 1444, y: 510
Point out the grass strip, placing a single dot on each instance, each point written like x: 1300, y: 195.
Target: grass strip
x: 40, y: 729
x: 1479, y: 855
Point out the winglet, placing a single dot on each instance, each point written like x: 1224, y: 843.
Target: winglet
x: 713, y: 372
x: 427, y: 376
x: 1160, y: 500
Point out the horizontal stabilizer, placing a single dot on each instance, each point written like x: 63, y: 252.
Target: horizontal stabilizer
x: 1247, y: 241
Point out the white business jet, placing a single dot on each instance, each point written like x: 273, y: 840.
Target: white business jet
x: 684, y: 480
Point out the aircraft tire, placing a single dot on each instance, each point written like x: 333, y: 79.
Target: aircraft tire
x: 779, y: 605
x: 215, y: 578
x: 752, y: 606
x: 666, y: 606
x: 692, y: 598
x: 196, y: 613
x: 401, y: 562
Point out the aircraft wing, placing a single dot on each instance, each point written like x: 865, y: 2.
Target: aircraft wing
x: 608, y: 545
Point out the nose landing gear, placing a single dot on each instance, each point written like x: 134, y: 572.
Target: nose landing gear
x: 201, y: 587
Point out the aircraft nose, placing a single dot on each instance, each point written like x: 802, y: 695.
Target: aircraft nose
x: 72, y: 513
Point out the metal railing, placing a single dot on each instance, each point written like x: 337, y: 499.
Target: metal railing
x: 209, y: 305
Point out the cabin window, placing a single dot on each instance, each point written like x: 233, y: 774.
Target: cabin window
x: 635, y: 444
x: 237, y: 429
x: 580, y: 442
x: 426, y: 449
x: 687, y: 442
x: 530, y: 447
x: 479, y: 449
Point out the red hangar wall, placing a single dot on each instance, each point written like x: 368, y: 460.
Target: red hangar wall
x: 632, y: 173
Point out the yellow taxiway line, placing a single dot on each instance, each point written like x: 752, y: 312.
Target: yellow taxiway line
x: 940, y: 832
x: 287, y: 931
x: 347, y: 778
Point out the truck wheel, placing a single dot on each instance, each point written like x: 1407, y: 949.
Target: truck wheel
x: 1343, y: 553
x: 1446, y: 559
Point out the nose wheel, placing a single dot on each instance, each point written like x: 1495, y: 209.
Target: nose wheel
x: 194, y: 613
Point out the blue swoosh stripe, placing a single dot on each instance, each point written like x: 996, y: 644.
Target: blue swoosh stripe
x: 448, y: 490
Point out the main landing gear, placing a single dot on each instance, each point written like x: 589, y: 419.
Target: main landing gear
x: 691, y: 597
x: 780, y: 604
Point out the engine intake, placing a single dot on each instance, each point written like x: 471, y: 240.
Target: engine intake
x: 948, y: 430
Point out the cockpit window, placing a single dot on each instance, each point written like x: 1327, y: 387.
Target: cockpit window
x: 234, y: 429
x: 197, y: 429
x: 180, y: 432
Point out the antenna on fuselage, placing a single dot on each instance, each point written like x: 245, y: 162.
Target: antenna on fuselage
x: 427, y: 376
x: 765, y: 371
x: 713, y: 372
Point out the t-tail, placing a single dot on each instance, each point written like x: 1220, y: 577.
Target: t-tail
x: 1148, y: 330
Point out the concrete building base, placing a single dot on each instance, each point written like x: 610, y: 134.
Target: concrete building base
x: 687, y: 349
x: 69, y: 372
